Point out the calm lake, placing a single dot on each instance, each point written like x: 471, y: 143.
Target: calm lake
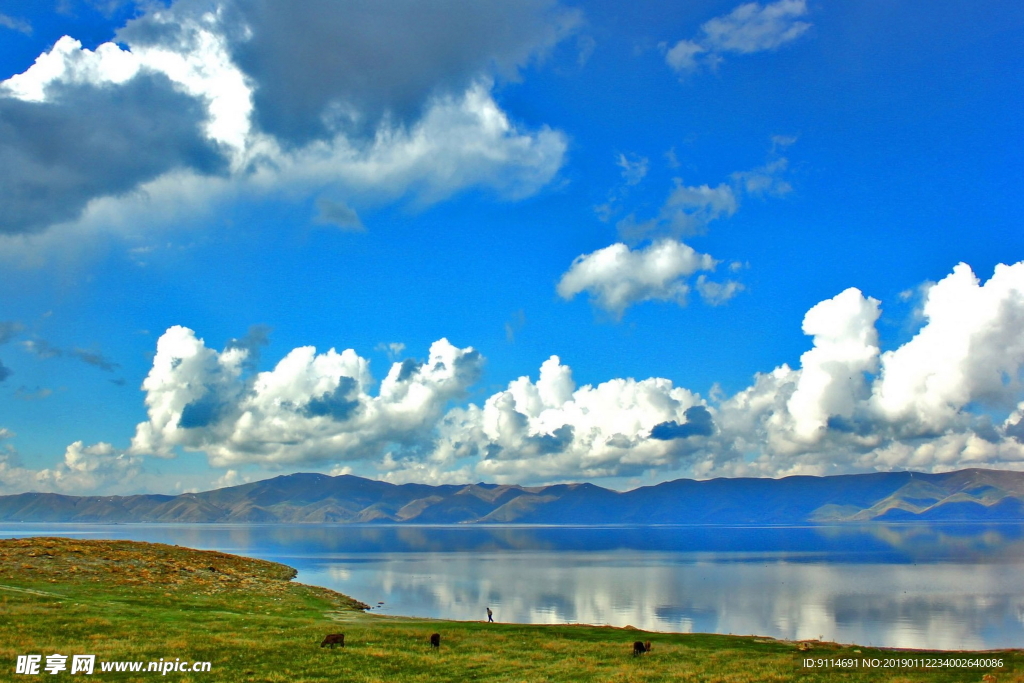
x: 913, y: 586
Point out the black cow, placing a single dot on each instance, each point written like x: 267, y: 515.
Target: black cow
x: 640, y: 648
x: 333, y: 639
x: 435, y: 640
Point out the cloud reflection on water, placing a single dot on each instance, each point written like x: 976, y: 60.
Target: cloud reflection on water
x: 945, y: 605
x: 911, y: 586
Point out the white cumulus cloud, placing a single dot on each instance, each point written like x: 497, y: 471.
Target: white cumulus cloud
x: 922, y: 406
x: 970, y: 349
x: 832, y: 377
x: 310, y: 408
x: 84, y: 470
x: 617, y: 277
x: 550, y: 430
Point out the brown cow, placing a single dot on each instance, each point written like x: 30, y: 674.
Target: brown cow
x: 640, y: 648
x: 435, y: 640
x: 333, y: 639
x: 647, y: 646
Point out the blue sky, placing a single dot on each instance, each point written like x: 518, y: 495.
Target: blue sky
x: 737, y: 226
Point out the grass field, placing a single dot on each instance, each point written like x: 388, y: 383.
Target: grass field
x: 128, y: 601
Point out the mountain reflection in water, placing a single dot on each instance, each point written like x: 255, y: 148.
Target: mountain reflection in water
x: 914, y: 586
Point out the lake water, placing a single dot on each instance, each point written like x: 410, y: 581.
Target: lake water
x: 912, y: 586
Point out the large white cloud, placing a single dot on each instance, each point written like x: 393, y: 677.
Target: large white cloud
x: 310, y: 408
x: 927, y: 405
x: 199, y: 65
x: 461, y: 140
x: 328, y: 65
x: 550, y: 430
x: 832, y: 377
x: 971, y: 349
x: 245, y: 108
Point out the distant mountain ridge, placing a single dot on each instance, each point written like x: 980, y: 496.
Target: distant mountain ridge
x: 966, y: 495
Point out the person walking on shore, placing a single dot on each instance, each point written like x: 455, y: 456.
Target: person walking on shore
x: 490, y: 616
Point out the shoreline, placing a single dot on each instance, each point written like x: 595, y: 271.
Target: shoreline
x: 137, y: 601
x: 425, y: 553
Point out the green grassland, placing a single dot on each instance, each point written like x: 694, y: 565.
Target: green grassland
x: 122, y: 600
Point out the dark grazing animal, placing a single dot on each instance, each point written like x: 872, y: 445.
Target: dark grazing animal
x: 640, y: 648
x: 333, y: 639
x: 435, y: 640
x: 647, y: 646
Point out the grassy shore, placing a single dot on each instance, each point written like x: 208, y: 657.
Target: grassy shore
x: 125, y: 601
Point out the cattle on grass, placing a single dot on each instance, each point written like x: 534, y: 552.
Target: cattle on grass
x: 640, y: 648
x: 333, y: 639
x: 435, y: 640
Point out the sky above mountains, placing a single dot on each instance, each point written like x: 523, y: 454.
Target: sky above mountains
x: 513, y: 242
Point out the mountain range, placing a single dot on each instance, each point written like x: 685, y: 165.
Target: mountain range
x: 966, y: 495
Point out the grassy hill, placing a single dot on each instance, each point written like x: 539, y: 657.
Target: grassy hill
x: 128, y: 601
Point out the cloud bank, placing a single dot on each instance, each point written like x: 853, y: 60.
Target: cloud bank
x: 951, y: 397
x: 201, y: 101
